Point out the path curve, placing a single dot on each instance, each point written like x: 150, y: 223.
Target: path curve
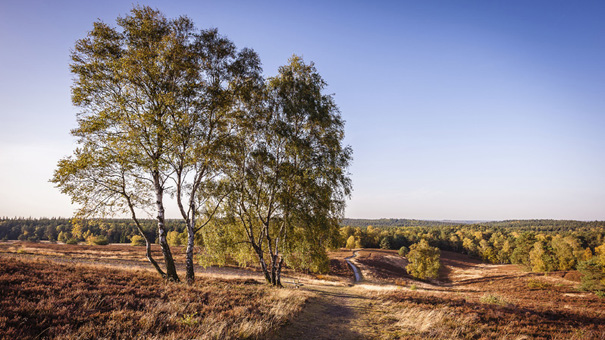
x: 356, y: 270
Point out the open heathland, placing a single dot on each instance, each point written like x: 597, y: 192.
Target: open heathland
x: 474, y: 300
x: 48, y: 299
x: 77, y: 291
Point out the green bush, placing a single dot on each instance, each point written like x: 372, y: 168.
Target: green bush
x: 424, y: 261
x: 385, y: 243
x: 137, y: 240
x: 350, y: 242
x: 98, y: 240
x: 71, y: 241
x: 537, y: 285
x: 593, y: 275
x: 403, y: 251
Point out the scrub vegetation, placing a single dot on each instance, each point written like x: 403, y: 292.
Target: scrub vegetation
x: 46, y: 299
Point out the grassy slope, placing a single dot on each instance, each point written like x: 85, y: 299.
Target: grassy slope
x: 472, y: 300
x: 46, y: 299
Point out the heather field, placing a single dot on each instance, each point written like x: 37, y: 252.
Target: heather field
x: 57, y: 291
x: 44, y: 298
x: 472, y: 300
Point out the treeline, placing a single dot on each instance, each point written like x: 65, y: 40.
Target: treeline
x: 548, y: 225
x: 77, y: 230
x: 390, y: 222
x: 525, y: 225
x: 539, y: 245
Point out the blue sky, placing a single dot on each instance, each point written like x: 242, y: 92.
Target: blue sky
x: 454, y: 109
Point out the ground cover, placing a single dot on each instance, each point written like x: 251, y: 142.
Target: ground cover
x: 46, y: 299
x: 114, y: 285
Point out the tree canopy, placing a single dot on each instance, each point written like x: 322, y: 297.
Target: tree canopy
x: 167, y: 109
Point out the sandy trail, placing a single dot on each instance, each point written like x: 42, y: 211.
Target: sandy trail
x: 336, y: 312
x: 356, y: 270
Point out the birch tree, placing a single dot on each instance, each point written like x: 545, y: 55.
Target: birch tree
x: 130, y: 83
x: 202, y: 130
x: 288, y: 172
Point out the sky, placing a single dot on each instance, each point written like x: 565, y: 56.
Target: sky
x: 458, y: 110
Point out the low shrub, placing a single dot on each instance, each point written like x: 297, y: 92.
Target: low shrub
x: 137, y: 240
x: 493, y: 299
x: 538, y: 285
x: 98, y: 240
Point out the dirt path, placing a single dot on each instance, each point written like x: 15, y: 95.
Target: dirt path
x: 356, y: 270
x: 336, y: 312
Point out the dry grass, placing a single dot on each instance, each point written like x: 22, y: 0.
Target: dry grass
x: 472, y: 300
x: 46, y: 299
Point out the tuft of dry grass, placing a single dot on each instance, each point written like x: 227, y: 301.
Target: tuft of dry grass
x: 494, y: 299
x: 46, y: 299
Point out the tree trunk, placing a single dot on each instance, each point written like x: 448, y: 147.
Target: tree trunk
x: 263, y: 264
x: 276, y: 264
x: 171, y: 273
x: 279, y: 267
x: 190, y: 276
x: 142, y: 232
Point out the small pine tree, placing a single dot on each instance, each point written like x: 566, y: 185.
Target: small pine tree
x: 593, y: 275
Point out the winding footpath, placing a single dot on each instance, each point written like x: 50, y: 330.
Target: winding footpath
x: 356, y: 270
x: 335, y: 312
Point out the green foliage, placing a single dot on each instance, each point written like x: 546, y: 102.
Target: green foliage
x: 561, y: 244
x: 534, y: 284
x: 137, y: 240
x: 115, y: 230
x: 385, y: 243
x: 190, y: 319
x: 174, y: 238
x: 63, y: 236
x: 542, y: 258
x: 287, y: 172
x: 563, y: 248
x: 423, y: 261
x: 97, y: 240
x: 403, y: 251
x: 593, y: 275
x: 350, y: 242
x: 71, y: 241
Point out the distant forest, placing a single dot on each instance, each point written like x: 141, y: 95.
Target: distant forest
x: 64, y: 229
x: 390, y: 222
x: 539, y: 245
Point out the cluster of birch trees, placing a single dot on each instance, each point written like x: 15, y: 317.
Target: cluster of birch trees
x: 171, y: 111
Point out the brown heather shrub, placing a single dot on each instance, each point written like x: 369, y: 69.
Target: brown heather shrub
x: 45, y: 299
x: 421, y: 315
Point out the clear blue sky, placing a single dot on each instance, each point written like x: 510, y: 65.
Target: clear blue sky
x: 454, y: 109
